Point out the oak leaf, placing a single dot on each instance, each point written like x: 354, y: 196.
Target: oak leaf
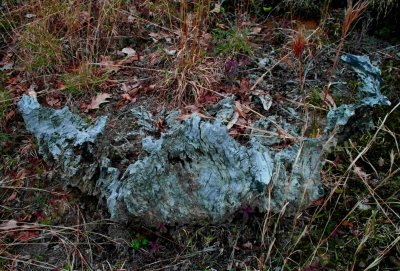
x: 98, y: 100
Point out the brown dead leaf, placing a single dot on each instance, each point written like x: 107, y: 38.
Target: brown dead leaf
x: 129, y: 51
x: 31, y: 91
x: 192, y: 108
x: 124, y: 99
x: 154, y: 58
x: 245, y: 85
x: 127, y: 97
x: 256, y: 30
x: 360, y: 173
x: 348, y: 224
x: 21, y: 176
x: 248, y: 245
x: 185, y: 116
x: 107, y: 65
x: 239, y: 109
x: 330, y: 101
x: 12, y: 197
x: 24, y: 236
x: 10, y: 115
x: 98, y: 100
x: 381, y: 162
x: 53, y: 101
x: 233, y: 120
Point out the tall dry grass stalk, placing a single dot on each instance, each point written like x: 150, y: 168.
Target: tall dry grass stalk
x: 193, y: 24
x: 353, y: 12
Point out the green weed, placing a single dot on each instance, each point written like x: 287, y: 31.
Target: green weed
x: 232, y: 42
x: 139, y: 241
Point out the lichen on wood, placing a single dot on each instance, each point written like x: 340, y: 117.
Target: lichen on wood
x: 194, y: 171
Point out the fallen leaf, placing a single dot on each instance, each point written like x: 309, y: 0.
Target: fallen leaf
x: 256, y: 30
x: 239, y: 109
x: 318, y: 202
x: 155, y: 36
x: 348, y: 224
x: 9, y: 225
x: 12, y: 197
x: 96, y: 102
x: 185, y: 116
x: 127, y: 97
x: 248, y: 245
x: 53, y: 101
x: 31, y: 91
x: 192, y: 108
x: 10, y: 115
x: 216, y: 9
x: 170, y: 52
x: 107, y: 65
x: 129, y: 51
x: 330, y: 101
x: 381, y: 162
x: 233, y: 120
x: 245, y: 85
x: 360, y: 173
x: 24, y: 236
x: 7, y: 66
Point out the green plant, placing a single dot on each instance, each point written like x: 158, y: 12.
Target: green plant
x: 68, y: 267
x: 316, y: 97
x: 139, y: 241
x: 232, y: 42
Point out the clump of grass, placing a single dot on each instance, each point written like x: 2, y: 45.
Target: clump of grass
x: 234, y: 41
x: 352, y: 14
x: 40, y: 50
x: 304, y: 7
x: 163, y: 11
x: 83, y: 78
x: 192, y: 27
x: 5, y: 102
x: 384, y: 6
x: 191, y: 77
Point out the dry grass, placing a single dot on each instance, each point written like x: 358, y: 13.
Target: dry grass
x: 192, y: 75
x: 384, y: 6
x: 357, y: 220
x: 381, y: 220
x: 352, y: 14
